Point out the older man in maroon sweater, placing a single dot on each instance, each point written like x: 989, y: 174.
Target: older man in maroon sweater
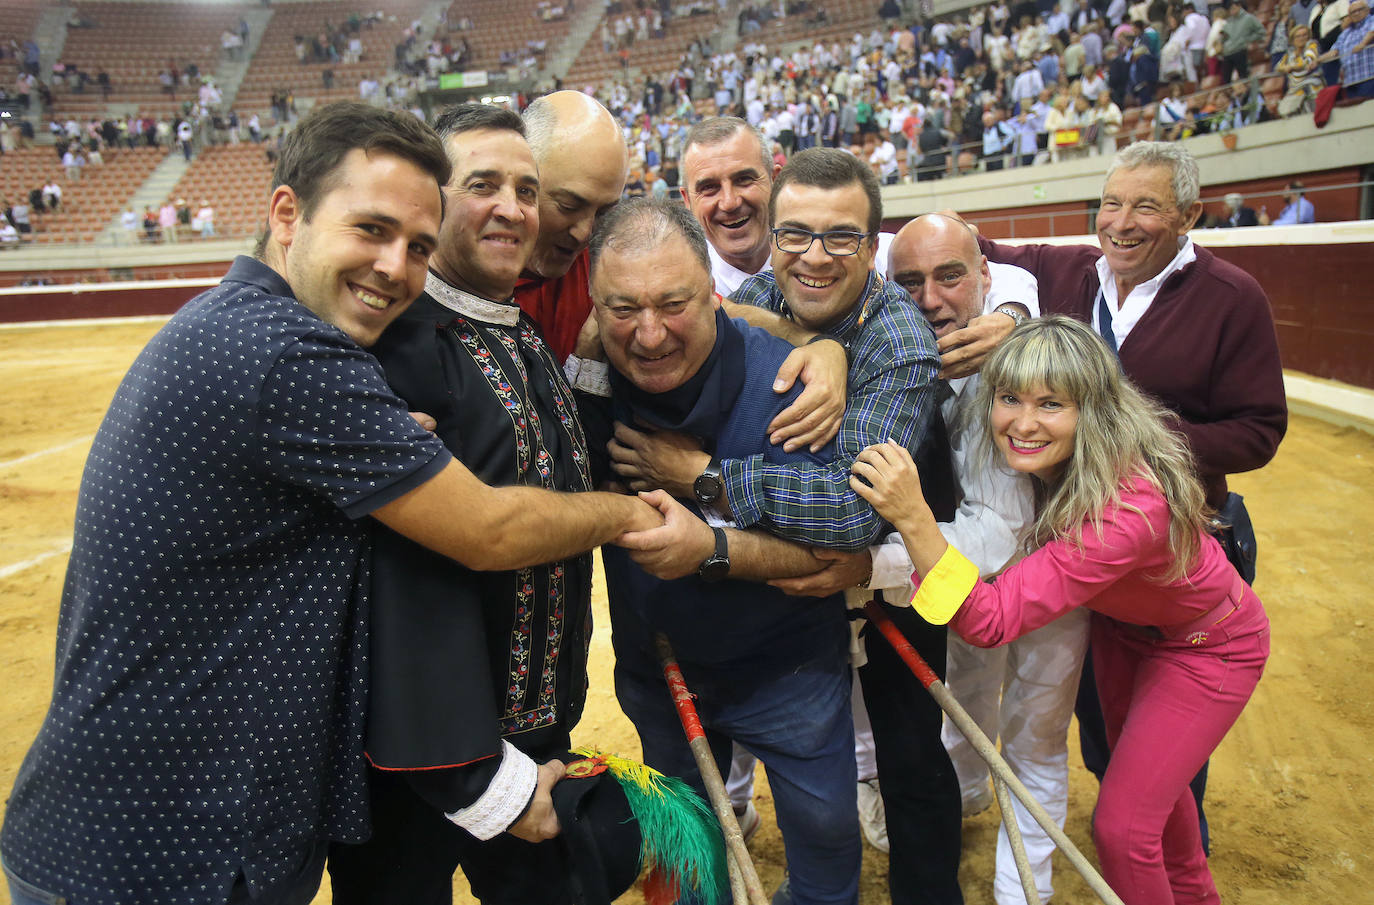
x: 1195, y: 332
x: 1190, y: 329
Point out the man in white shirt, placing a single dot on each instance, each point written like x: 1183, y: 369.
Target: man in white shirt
x: 882, y: 156
x: 1197, y: 27
x: 1028, y: 85
x: 72, y: 163
x: 128, y: 227
x: 937, y: 261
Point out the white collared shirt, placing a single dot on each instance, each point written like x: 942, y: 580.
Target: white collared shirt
x: 1126, y: 314
x: 728, y: 277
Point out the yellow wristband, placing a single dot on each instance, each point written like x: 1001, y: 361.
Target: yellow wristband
x: 945, y: 587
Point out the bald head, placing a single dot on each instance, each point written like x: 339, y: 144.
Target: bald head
x: 583, y: 162
x: 936, y: 259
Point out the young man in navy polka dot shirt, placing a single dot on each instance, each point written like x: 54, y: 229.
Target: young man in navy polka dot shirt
x: 205, y: 737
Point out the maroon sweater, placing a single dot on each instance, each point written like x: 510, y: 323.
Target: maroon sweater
x: 1205, y: 348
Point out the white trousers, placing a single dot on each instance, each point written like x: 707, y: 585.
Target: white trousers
x: 1023, y: 693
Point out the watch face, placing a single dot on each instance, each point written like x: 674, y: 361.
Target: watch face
x: 707, y: 488
x: 715, y: 568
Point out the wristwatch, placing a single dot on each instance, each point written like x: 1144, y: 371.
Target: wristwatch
x: 717, y: 565
x: 1014, y: 312
x: 708, y: 485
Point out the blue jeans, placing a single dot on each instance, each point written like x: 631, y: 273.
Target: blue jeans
x: 794, y: 718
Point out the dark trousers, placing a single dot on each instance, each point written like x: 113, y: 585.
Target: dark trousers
x: 1092, y: 740
x: 1235, y: 66
x: 415, y: 849
x: 919, y: 787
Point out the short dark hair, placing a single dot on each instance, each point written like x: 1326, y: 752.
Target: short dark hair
x: 829, y: 168
x: 312, y: 152
x: 470, y: 117
x: 642, y: 224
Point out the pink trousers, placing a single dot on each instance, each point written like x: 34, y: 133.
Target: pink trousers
x: 1167, y: 705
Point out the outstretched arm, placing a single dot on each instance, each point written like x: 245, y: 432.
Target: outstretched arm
x: 498, y: 528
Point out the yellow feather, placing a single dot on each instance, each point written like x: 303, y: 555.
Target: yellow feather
x: 645, y: 777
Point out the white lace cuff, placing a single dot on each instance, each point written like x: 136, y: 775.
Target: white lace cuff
x: 588, y: 375
x: 505, y: 798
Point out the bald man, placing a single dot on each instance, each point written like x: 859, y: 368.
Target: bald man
x: 582, y: 159
x: 1023, y: 691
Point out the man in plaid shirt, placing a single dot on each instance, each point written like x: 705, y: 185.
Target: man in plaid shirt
x: 825, y: 210
x: 1355, y: 47
x: 829, y: 203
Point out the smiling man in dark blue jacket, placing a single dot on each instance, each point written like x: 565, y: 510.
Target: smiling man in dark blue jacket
x: 770, y: 672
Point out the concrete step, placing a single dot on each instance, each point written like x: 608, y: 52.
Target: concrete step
x: 229, y: 74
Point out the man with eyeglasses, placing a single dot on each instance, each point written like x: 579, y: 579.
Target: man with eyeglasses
x: 824, y: 212
x: 1355, y: 49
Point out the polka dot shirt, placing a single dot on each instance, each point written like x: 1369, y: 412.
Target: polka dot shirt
x: 209, y: 699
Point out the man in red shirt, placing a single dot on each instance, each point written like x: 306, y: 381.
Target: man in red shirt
x: 582, y: 159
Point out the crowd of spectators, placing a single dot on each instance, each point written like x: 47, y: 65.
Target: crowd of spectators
x: 1003, y: 86
x: 993, y: 87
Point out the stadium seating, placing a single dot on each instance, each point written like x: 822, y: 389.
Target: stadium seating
x: 594, y: 65
x: 133, y: 43
x: 275, y: 67
x: 499, y: 25
x: 235, y: 180
x: 88, y: 204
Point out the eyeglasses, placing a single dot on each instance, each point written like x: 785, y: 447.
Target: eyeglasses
x: 836, y: 242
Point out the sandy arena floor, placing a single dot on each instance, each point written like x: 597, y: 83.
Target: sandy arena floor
x: 1286, y: 798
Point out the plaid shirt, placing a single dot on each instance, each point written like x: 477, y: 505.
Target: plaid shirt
x: 892, y: 366
x: 1356, y: 66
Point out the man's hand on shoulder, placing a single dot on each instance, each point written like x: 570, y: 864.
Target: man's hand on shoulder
x: 674, y: 549
x: 663, y: 460
x: 540, y: 820
x: 588, y: 343
x: 814, y: 417
x: 963, y: 352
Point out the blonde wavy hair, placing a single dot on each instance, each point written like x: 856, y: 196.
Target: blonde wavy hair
x: 1121, y: 434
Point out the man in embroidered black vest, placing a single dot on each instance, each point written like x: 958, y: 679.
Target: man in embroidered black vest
x: 478, y: 677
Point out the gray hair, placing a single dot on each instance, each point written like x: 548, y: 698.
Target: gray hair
x: 715, y: 129
x: 540, y: 122
x: 1169, y: 154
x: 638, y: 225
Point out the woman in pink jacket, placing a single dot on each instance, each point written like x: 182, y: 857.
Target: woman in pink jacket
x: 1179, y: 640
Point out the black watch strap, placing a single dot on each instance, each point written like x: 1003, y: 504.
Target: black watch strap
x: 717, y: 565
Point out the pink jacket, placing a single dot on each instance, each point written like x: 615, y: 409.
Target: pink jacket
x: 1111, y: 576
